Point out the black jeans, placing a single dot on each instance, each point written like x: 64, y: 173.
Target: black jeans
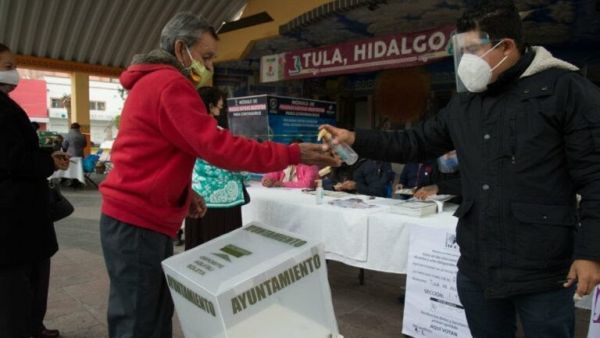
x: 23, y: 299
x: 139, y: 304
x: 545, y: 315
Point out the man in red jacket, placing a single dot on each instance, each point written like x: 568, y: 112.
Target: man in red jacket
x: 164, y: 128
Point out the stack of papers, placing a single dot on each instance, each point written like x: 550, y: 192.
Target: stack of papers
x: 414, y: 208
x: 328, y: 193
x: 439, y: 200
x: 405, y: 191
x: 352, y: 203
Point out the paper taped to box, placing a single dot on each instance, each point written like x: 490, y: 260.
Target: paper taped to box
x: 254, y: 282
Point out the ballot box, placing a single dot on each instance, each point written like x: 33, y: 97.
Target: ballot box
x: 254, y: 282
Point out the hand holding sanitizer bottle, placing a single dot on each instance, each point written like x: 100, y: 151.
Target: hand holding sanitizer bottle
x: 344, y: 151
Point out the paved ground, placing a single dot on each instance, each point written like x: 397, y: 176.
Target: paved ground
x: 79, y: 285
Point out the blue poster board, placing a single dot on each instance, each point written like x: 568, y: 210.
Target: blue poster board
x: 277, y: 118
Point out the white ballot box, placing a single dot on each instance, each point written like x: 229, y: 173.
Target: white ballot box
x: 254, y: 282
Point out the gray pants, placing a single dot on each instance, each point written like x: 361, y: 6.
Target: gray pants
x: 139, y: 304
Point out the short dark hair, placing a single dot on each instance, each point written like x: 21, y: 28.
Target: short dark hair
x: 4, y: 48
x: 75, y: 125
x: 211, y: 95
x: 499, y: 18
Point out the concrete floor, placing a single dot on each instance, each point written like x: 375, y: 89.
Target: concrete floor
x: 79, y: 285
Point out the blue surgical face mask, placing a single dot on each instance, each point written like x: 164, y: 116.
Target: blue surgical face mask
x: 448, y: 164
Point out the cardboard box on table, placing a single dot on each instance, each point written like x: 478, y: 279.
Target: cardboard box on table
x: 255, y: 282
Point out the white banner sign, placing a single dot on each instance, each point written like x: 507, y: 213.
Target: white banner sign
x: 432, y: 307
x: 594, y: 331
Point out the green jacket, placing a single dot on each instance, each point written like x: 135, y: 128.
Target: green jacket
x: 219, y: 187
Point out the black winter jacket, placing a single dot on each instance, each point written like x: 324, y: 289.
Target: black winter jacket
x: 26, y: 231
x: 373, y: 178
x: 526, y: 146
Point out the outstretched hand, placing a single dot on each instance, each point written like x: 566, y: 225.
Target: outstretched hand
x: 317, y: 154
x: 61, y: 160
x: 426, y: 191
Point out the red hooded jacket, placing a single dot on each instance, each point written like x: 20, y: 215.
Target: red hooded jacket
x: 164, y: 127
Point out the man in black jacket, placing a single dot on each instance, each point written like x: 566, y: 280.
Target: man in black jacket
x: 528, y: 139
x: 373, y: 178
x: 24, y: 214
x: 446, y: 179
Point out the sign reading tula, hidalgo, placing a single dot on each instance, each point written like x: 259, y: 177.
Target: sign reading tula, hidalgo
x: 390, y: 51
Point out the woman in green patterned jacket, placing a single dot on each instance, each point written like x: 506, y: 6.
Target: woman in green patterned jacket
x: 222, y: 190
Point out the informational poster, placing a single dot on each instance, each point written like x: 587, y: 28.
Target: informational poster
x: 296, y: 118
x: 594, y: 331
x: 248, y: 116
x: 277, y: 118
x: 432, y: 307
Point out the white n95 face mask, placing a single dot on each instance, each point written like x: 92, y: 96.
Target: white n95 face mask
x: 10, y: 77
x: 475, y: 73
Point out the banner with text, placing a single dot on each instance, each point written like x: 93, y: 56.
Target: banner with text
x: 432, y: 308
x: 390, y: 51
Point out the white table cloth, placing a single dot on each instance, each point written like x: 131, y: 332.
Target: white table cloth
x: 389, y: 235
x: 373, y: 239
x: 343, y: 230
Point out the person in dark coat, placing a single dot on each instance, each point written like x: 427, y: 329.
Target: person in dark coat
x: 416, y: 175
x: 373, y: 178
x: 339, y: 175
x: 367, y: 177
x: 24, y: 214
x: 74, y: 142
x: 528, y: 138
x: 445, y: 179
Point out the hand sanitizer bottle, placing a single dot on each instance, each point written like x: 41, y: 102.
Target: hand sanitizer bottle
x: 319, y: 192
x: 344, y: 151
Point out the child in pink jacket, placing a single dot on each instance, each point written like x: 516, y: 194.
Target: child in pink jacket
x: 294, y: 176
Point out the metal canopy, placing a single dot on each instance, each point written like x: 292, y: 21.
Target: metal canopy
x: 97, y: 32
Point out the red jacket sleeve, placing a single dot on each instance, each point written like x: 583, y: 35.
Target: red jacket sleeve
x: 183, y: 120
